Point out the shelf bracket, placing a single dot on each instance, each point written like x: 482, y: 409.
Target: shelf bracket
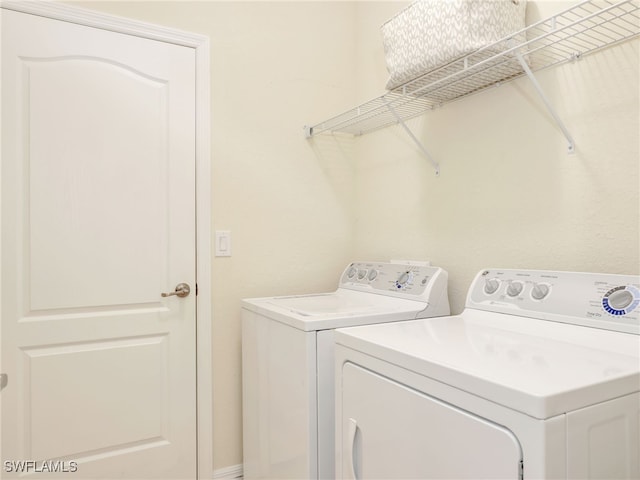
x: 424, y: 151
x: 571, y: 144
x: 308, y: 131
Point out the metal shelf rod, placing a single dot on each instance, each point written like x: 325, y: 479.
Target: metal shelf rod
x: 422, y: 148
x: 545, y: 100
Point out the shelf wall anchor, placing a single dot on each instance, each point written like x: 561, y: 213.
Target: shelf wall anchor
x: 424, y: 151
x: 571, y: 144
x: 308, y: 131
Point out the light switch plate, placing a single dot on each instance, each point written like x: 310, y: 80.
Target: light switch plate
x: 223, y: 243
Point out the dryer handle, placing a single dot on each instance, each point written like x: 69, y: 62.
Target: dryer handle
x: 354, y: 453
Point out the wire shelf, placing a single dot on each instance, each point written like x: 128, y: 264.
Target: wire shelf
x: 582, y: 29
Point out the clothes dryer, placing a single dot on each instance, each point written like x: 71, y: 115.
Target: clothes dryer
x: 288, y: 361
x: 539, y: 377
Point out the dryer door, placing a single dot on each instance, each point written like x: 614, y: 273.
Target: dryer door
x: 392, y: 431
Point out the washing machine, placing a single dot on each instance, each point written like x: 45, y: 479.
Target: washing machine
x: 288, y: 361
x: 538, y: 378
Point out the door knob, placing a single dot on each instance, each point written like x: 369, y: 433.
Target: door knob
x: 182, y: 290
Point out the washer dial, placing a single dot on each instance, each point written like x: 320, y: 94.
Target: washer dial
x: 621, y: 300
x: 539, y: 291
x: 491, y: 285
x: 372, y: 275
x: 404, y: 279
x: 352, y: 271
x: 514, y: 289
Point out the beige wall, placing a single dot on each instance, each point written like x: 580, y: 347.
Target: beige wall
x: 508, y: 193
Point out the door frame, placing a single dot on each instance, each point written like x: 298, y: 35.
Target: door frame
x: 200, y: 44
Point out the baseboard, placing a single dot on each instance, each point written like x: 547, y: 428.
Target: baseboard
x: 234, y: 471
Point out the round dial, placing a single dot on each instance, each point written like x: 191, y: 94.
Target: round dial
x: 372, y: 275
x: 621, y: 300
x: 404, y: 279
x: 362, y: 274
x: 514, y: 289
x: 539, y: 291
x: 491, y: 285
x: 352, y: 271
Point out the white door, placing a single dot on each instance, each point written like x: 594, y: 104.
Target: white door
x: 98, y: 219
x: 391, y: 431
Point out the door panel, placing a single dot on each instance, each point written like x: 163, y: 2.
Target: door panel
x: 131, y: 414
x: 111, y: 180
x: 391, y: 431
x: 98, y: 219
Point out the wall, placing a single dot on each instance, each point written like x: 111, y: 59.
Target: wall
x: 508, y: 193
x: 274, y: 66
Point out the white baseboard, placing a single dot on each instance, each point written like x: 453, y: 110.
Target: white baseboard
x: 234, y: 471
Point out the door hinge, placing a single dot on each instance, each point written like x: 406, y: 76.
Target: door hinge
x: 196, y: 289
x: 521, y: 470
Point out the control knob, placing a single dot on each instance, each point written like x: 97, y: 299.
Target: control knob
x: 539, y: 291
x: 491, y: 285
x: 514, y: 289
x: 404, y: 279
x: 620, y: 299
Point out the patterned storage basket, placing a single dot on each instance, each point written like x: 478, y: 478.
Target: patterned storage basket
x: 431, y: 33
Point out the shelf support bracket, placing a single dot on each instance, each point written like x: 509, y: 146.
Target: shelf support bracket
x: 571, y: 144
x: 424, y: 151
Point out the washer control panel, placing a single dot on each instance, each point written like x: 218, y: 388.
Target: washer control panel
x: 599, y: 300
x: 395, y: 279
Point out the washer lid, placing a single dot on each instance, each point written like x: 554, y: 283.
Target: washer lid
x: 341, y: 308
x: 538, y: 367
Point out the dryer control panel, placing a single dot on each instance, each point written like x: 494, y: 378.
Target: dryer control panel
x: 605, y: 301
x: 415, y: 282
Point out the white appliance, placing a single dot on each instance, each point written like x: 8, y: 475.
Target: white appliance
x: 288, y: 362
x: 538, y: 378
